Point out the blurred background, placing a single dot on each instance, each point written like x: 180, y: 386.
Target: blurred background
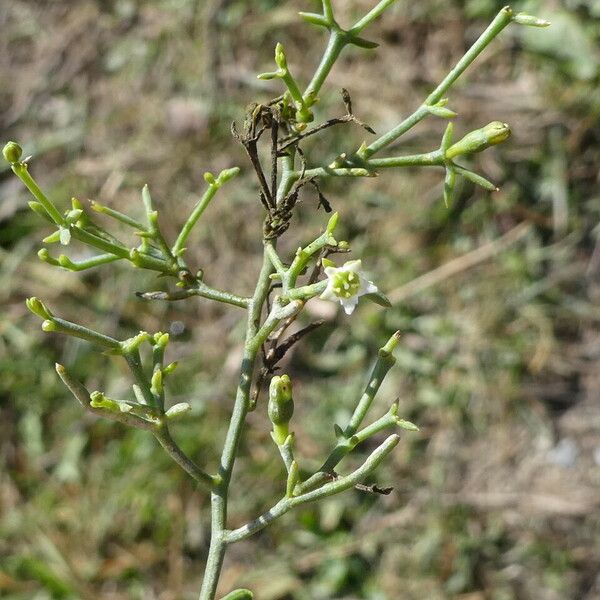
x: 498, y: 496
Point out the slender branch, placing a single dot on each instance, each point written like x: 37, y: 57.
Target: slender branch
x: 202, y: 290
x: 275, y: 260
x: 196, y: 213
x: 385, y: 361
x: 232, y: 439
x: 503, y: 18
x: 21, y: 170
x: 371, y: 16
x: 337, y: 41
x: 337, y: 486
x: 81, y: 394
x: 163, y: 435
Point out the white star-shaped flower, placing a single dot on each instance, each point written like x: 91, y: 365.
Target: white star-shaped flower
x: 347, y: 284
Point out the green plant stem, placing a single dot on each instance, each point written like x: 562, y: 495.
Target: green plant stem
x: 385, y: 361
x: 503, y: 18
x: 162, y: 434
x: 134, y: 362
x: 219, y: 494
x: 358, y: 167
x: 337, y: 486
x: 88, y: 263
x: 58, y: 325
x: 307, y: 291
x: 336, y: 172
x: 22, y: 172
x: 202, y: 290
x: 337, y: 41
x: 275, y: 260
x: 81, y: 394
x: 96, y: 241
x: 196, y: 213
x: 371, y: 16
x: 252, y: 344
x: 345, y: 447
x: 287, y: 175
x: 205, y: 291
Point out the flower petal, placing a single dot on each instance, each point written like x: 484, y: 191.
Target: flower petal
x: 349, y: 304
x: 367, y: 287
x: 352, y: 265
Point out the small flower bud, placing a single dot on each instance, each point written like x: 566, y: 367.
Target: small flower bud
x: 99, y: 400
x: 12, y: 152
x: 170, y: 368
x: 161, y: 339
x: 280, y: 58
x: 530, y: 20
x: 227, y: 174
x: 332, y: 223
x: 281, y: 407
x: 493, y: 133
x: 157, y: 382
x: 178, y: 410
x: 209, y: 178
x: 37, y: 307
x: 133, y: 343
x: 49, y: 326
x: 73, y: 215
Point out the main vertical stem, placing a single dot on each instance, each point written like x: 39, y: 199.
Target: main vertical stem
x: 219, y: 495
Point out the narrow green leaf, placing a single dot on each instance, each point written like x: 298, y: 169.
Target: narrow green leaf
x: 379, y: 298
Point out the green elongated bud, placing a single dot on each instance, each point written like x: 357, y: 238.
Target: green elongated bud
x: 157, y: 383
x: 492, y: 134
x: 227, y: 174
x: 73, y: 215
x: 449, y: 184
x: 133, y: 343
x: 178, y: 410
x: 332, y: 223
x: 170, y: 368
x: 99, y: 400
x: 293, y: 479
x: 530, y: 20
x: 37, y: 307
x: 271, y: 75
x: 209, y: 178
x: 161, y: 339
x: 12, y: 152
x: 280, y: 58
x: 53, y: 238
x: 281, y: 407
x: 241, y: 594
x: 390, y: 346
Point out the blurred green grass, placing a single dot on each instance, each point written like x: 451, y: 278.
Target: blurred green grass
x: 498, y: 364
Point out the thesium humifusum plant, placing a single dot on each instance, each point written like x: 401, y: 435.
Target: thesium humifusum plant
x: 273, y: 135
